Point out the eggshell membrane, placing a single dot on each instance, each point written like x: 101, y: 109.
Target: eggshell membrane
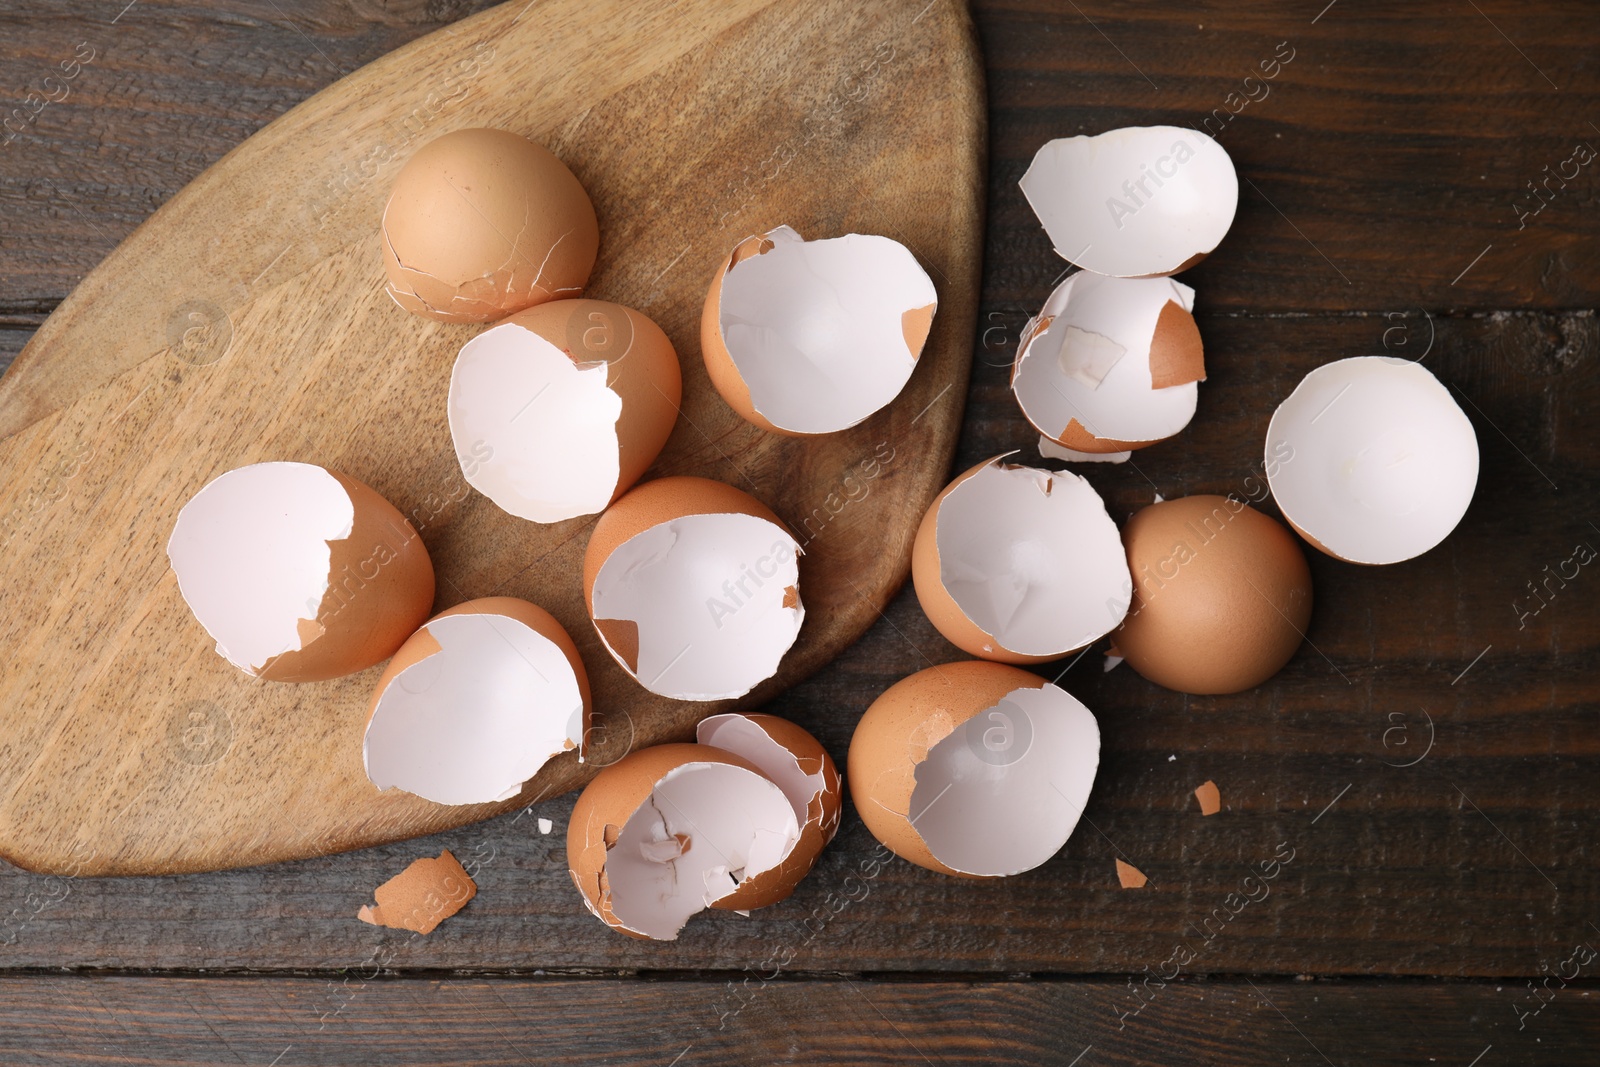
x: 915, y: 323
x: 1079, y: 392
x: 605, y: 807
x: 1382, y: 462
x: 1222, y: 595
x: 423, y: 644
x: 359, y: 620
x: 572, y: 399
x: 482, y: 223
x: 928, y: 569
x: 915, y: 748
x: 1076, y: 186
x: 798, y: 763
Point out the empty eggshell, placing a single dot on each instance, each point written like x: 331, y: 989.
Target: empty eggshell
x: 974, y: 768
x: 483, y: 223
x: 802, y: 768
x: 1371, y: 459
x: 672, y: 829
x: 1222, y: 595
x: 1110, y: 364
x: 1134, y: 202
x: 694, y: 588
x: 558, y: 410
x: 476, y: 702
x: 300, y: 573
x: 1019, y: 564
x: 808, y: 337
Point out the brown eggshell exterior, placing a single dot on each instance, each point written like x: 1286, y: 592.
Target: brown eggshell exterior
x: 822, y: 820
x: 610, y: 800
x: 377, y: 615
x: 725, y: 377
x: 1176, y: 355
x: 896, y: 733
x: 937, y: 603
x: 421, y: 644
x: 435, y: 240
x: 1234, y: 611
x: 646, y: 376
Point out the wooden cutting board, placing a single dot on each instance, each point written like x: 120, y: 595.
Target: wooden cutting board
x: 246, y: 321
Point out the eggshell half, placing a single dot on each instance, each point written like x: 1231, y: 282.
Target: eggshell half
x: 1020, y: 565
x: 300, y: 573
x: 483, y: 223
x: 558, y: 410
x: 476, y: 702
x: 693, y: 587
x: 808, y: 337
x: 672, y: 829
x: 1222, y: 595
x: 802, y: 768
x: 973, y: 768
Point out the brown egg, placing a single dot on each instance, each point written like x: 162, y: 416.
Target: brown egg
x: 1222, y: 595
x: 483, y: 223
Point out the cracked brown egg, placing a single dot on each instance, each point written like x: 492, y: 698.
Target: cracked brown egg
x: 483, y: 223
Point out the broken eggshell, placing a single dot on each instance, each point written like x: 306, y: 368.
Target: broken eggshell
x: 476, y: 702
x: 1135, y: 202
x: 974, y: 768
x: 693, y: 586
x: 300, y: 573
x: 558, y: 410
x: 1382, y: 463
x: 1110, y: 364
x: 1019, y: 564
x: 808, y: 337
x: 802, y: 768
x: 670, y: 830
x: 482, y: 223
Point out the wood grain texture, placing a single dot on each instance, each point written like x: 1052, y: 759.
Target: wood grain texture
x: 688, y: 132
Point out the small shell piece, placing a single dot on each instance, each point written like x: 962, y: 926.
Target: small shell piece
x: 300, y: 573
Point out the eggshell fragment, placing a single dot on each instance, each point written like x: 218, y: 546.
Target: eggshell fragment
x: 808, y: 337
x: 1019, y: 564
x: 974, y: 768
x: 483, y: 223
x: 802, y: 768
x: 476, y: 702
x: 1134, y: 202
x: 1372, y: 460
x: 1110, y: 364
x: 1209, y: 796
x: 1222, y: 595
x: 1130, y: 876
x: 558, y: 410
x: 422, y: 896
x: 672, y: 829
x: 693, y: 586
x: 299, y: 573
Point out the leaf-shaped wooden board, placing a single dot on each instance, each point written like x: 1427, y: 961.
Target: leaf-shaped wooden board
x: 246, y: 321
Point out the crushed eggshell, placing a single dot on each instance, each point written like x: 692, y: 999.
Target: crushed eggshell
x: 1130, y: 876
x: 545, y: 826
x: 808, y: 337
x: 300, y: 573
x: 422, y: 896
x: 1209, y: 796
x: 476, y: 702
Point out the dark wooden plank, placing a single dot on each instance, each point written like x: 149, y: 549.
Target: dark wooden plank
x: 290, y: 1022
x: 1436, y: 869
x: 1391, y: 150
x: 11, y: 342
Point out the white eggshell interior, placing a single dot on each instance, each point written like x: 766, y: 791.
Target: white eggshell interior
x: 534, y: 431
x: 474, y: 721
x: 1003, y: 792
x: 1135, y: 201
x: 252, y: 559
x: 744, y: 737
x: 1048, y: 449
x: 1063, y: 372
x: 1381, y: 461
x: 815, y: 327
x: 704, y: 830
x: 707, y: 593
x: 1032, y: 559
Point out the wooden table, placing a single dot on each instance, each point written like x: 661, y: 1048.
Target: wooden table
x: 1429, y: 756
